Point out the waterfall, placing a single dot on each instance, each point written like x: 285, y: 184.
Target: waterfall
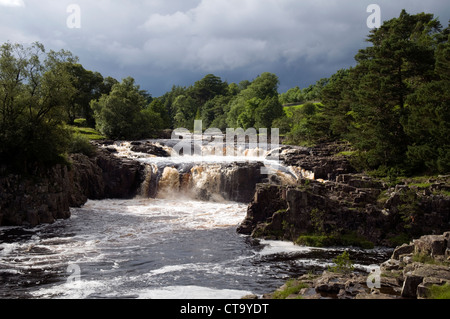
x: 213, y: 176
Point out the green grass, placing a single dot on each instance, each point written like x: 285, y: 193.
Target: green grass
x: 421, y: 185
x: 440, y: 292
x: 88, y: 132
x: 427, y: 259
x: 292, y: 287
x: 288, y: 110
x: 346, y: 153
x: 322, y: 240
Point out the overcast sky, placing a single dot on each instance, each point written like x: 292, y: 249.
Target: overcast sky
x: 177, y: 42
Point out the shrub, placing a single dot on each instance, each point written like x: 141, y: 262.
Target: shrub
x: 81, y: 144
x: 292, y: 286
x: 343, y: 263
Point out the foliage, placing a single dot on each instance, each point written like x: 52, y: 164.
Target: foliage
x: 328, y: 240
x: 89, y: 86
x: 440, y: 292
x: 393, y: 106
x: 89, y: 133
x: 291, y: 287
x: 343, y: 263
x: 80, y: 144
x: 123, y: 113
x: 257, y: 105
x: 34, y: 88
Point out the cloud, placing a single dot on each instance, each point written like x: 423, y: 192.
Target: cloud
x: 229, y: 34
x: 176, y: 41
x: 12, y: 3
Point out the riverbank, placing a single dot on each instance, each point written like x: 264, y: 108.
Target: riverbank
x: 418, y: 270
x: 47, y: 194
x: 341, y: 207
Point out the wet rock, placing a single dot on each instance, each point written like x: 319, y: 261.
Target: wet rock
x: 149, y: 148
x: 50, y: 192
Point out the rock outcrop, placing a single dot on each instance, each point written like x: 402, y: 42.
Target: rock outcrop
x: 47, y: 194
x: 413, y: 268
x: 350, y: 206
x: 410, y: 273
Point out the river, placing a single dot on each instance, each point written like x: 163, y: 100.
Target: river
x: 173, y: 246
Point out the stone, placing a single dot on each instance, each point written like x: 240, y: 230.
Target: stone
x: 402, y: 250
x: 434, y: 245
x: 50, y: 192
x: 409, y: 289
x: 391, y: 264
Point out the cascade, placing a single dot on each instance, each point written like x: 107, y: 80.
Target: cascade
x: 212, y: 176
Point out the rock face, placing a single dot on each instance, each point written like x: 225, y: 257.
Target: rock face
x: 409, y: 274
x: 322, y: 160
x: 351, y: 204
x: 415, y: 267
x: 48, y: 193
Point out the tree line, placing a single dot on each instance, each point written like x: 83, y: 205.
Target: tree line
x: 393, y: 106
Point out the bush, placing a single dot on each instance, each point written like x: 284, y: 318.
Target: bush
x: 292, y: 286
x: 81, y: 144
x: 343, y: 263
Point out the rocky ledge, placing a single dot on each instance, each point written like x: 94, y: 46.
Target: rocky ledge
x: 348, y: 209
x: 47, y: 194
x: 415, y: 271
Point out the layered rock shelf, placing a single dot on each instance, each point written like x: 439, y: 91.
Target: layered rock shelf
x: 47, y: 194
x: 348, y: 209
x: 412, y: 272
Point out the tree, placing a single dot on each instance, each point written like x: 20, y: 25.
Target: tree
x: 122, y: 114
x: 185, y: 110
x: 293, y: 95
x: 34, y: 89
x: 243, y: 106
x: 268, y: 111
x: 208, y: 88
x: 400, y: 59
x: 428, y: 124
x: 88, y: 87
x: 157, y: 106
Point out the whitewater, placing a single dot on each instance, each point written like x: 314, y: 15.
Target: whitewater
x: 172, y: 246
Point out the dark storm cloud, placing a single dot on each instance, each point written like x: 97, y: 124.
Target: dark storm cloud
x: 162, y: 43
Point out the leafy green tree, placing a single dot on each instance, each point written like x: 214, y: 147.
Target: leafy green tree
x: 123, y: 113
x: 428, y: 124
x: 293, y: 95
x: 400, y: 59
x: 208, y: 88
x: 157, y: 106
x: 268, y: 111
x: 185, y: 110
x: 88, y: 87
x: 214, y: 112
x: 34, y: 89
x: 243, y: 106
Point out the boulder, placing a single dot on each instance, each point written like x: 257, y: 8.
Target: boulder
x: 434, y: 245
x: 149, y: 148
x: 402, y: 250
x: 409, y: 289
